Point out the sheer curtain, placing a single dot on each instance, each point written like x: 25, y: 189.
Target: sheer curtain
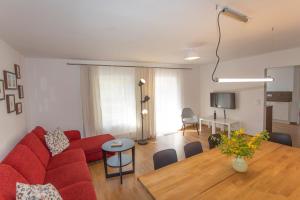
x: 117, y: 100
x: 167, y: 101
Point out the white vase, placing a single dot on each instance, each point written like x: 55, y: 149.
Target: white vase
x: 239, y: 164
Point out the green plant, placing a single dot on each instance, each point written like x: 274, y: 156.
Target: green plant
x: 241, y: 144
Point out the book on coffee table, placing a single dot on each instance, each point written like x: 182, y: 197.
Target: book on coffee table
x: 116, y: 144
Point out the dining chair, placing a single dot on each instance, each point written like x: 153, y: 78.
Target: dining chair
x: 164, y: 158
x: 192, y: 149
x: 281, y: 138
x: 188, y: 117
x: 214, y: 140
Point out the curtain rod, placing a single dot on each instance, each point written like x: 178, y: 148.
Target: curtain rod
x: 100, y: 65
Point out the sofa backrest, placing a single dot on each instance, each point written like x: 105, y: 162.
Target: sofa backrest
x: 40, y: 133
x: 23, y: 160
x: 8, y: 179
x: 37, y: 147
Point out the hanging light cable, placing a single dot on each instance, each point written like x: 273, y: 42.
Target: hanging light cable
x: 242, y: 18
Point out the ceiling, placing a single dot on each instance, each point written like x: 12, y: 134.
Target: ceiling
x: 146, y: 30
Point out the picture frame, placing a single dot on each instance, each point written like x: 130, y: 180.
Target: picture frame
x: 17, y: 71
x: 19, y: 109
x: 10, y: 103
x: 2, y: 90
x: 10, y: 80
x: 21, y: 91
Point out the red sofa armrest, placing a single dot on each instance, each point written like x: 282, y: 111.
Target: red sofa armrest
x: 73, y: 135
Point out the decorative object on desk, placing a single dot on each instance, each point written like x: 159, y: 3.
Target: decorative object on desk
x: 241, y: 146
x: 116, y: 143
x: 10, y: 103
x: 2, y: 91
x: 215, y: 115
x: 20, y: 91
x: 17, y: 71
x: 10, y: 80
x: 144, y: 111
x: 19, y: 108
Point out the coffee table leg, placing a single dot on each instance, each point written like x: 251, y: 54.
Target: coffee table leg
x: 120, y: 160
x: 105, y: 162
x: 133, y: 159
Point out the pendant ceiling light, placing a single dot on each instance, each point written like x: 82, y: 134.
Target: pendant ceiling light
x: 243, y: 18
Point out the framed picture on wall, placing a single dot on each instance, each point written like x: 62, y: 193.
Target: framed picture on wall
x: 20, y: 91
x: 10, y: 103
x: 2, y: 90
x: 18, y: 108
x: 17, y: 71
x: 10, y: 80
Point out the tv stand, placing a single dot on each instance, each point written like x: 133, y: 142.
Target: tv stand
x: 223, y: 121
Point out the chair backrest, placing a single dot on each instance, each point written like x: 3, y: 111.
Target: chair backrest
x: 192, y: 149
x: 164, y: 158
x: 187, y: 113
x: 214, y: 140
x: 281, y: 138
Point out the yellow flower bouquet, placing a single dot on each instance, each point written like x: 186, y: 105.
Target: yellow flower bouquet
x: 241, y: 146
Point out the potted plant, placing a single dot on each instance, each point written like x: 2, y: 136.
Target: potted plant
x: 241, y: 146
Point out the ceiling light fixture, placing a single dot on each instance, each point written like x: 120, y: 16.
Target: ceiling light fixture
x: 243, y: 18
x: 191, y: 54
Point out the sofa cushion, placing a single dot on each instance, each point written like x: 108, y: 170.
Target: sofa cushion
x: 68, y: 174
x: 66, y: 157
x: 91, y: 145
x: 8, y: 178
x: 32, y: 192
x: 79, y: 191
x: 56, y: 141
x: 37, y: 147
x: 22, y: 159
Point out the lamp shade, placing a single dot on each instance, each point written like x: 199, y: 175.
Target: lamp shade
x: 144, y: 111
x: 142, y: 82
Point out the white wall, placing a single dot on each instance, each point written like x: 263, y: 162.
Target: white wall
x: 284, y: 79
x: 250, y: 96
x: 12, y: 126
x: 53, y: 94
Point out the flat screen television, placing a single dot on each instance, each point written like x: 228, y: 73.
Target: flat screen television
x: 224, y: 100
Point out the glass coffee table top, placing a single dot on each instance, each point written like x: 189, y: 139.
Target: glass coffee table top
x: 126, y: 144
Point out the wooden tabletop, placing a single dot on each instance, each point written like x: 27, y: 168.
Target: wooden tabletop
x: 273, y: 173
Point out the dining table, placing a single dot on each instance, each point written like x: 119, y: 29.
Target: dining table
x: 273, y: 173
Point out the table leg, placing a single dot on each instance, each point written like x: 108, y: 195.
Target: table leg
x: 229, y: 130
x: 133, y: 159
x: 200, y: 124
x: 105, y: 162
x: 120, y: 168
x: 213, y: 131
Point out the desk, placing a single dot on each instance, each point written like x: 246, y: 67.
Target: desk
x: 227, y: 122
x: 273, y: 173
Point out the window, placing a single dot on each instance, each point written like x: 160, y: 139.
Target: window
x: 117, y: 99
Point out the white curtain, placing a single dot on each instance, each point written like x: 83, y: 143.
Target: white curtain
x: 167, y: 101
x: 117, y: 100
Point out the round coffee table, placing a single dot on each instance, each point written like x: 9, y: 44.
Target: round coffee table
x: 120, y: 160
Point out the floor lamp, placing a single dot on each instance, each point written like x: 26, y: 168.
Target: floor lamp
x: 142, y: 82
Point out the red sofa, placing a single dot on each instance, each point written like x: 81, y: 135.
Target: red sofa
x: 30, y: 162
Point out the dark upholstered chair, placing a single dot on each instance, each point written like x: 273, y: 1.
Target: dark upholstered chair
x: 281, y: 138
x: 189, y: 118
x: 214, y: 140
x: 164, y: 158
x: 192, y: 149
